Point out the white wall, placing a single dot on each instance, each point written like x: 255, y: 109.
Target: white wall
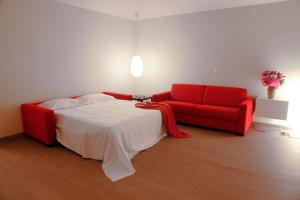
x: 49, y: 50
x: 239, y: 43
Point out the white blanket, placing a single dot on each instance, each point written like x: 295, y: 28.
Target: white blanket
x: 113, y: 131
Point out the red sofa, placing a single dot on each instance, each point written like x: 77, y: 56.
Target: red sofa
x: 225, y: 108
x: 39, y: 122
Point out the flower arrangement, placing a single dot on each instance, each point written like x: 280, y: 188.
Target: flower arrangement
x: 272, y: 79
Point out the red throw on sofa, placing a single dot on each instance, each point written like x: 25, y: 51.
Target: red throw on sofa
x: 39, y: 122
x: 225, y: 108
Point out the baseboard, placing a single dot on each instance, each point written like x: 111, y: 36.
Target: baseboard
x: 9, y: 137
x: 271, y: 121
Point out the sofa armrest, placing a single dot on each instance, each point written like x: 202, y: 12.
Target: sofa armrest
x: 119, y: 95
x: 161, y: 97
x: 39, y: 123
x: 247, y: 108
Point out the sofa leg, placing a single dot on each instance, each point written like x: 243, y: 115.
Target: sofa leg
x: 240, y: 134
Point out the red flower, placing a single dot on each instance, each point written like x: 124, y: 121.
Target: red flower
x: 272, y: 78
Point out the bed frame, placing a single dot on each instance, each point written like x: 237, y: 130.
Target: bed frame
x: 39, y: 122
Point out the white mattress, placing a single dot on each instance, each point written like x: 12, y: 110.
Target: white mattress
x: 113, y: 131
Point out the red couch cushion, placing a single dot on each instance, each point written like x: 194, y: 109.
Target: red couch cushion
x: 188, y: 92
x: 182, y: 107
x: 224, y: 96
x: 217, y: 112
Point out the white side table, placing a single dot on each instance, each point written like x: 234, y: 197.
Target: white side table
x: 271, y: 109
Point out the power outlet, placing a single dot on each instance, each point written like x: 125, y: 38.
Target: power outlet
x: 209, y: 70
x: 216, y: 70
x: 213, y: 70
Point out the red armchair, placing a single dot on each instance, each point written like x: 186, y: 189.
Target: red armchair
x: 39, y: 122
x: 226, y: 108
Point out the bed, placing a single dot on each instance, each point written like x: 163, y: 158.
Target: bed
x: 113, y: 131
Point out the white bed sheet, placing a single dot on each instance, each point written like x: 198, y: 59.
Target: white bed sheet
x: 113, y: 131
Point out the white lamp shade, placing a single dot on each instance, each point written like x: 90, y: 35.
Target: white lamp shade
x: 137, y: 66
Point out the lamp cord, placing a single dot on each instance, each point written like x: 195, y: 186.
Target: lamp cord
x: 282, y: 133
x: 137, y: 15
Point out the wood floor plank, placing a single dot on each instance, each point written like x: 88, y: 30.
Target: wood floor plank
x: 211, y: 165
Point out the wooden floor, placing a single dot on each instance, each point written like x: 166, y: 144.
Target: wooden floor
x: 211, y: 165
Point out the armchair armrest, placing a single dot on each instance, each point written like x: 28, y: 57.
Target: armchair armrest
x: 39, y: 123
x: 247, y: 108
x: 119, y: 95
x: 161, y: 97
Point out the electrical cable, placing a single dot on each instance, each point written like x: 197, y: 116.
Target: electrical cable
x: 282, y: 133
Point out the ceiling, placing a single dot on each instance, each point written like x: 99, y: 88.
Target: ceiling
x: 158, y: 8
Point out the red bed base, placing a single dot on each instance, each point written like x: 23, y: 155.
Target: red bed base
x: 39, y: 122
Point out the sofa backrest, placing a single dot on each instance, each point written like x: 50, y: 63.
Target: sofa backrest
x: 191, y: 93
x: 224, y: 96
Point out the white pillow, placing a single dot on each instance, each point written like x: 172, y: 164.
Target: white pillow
x: 94, y: 98
x: 58, y: 104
